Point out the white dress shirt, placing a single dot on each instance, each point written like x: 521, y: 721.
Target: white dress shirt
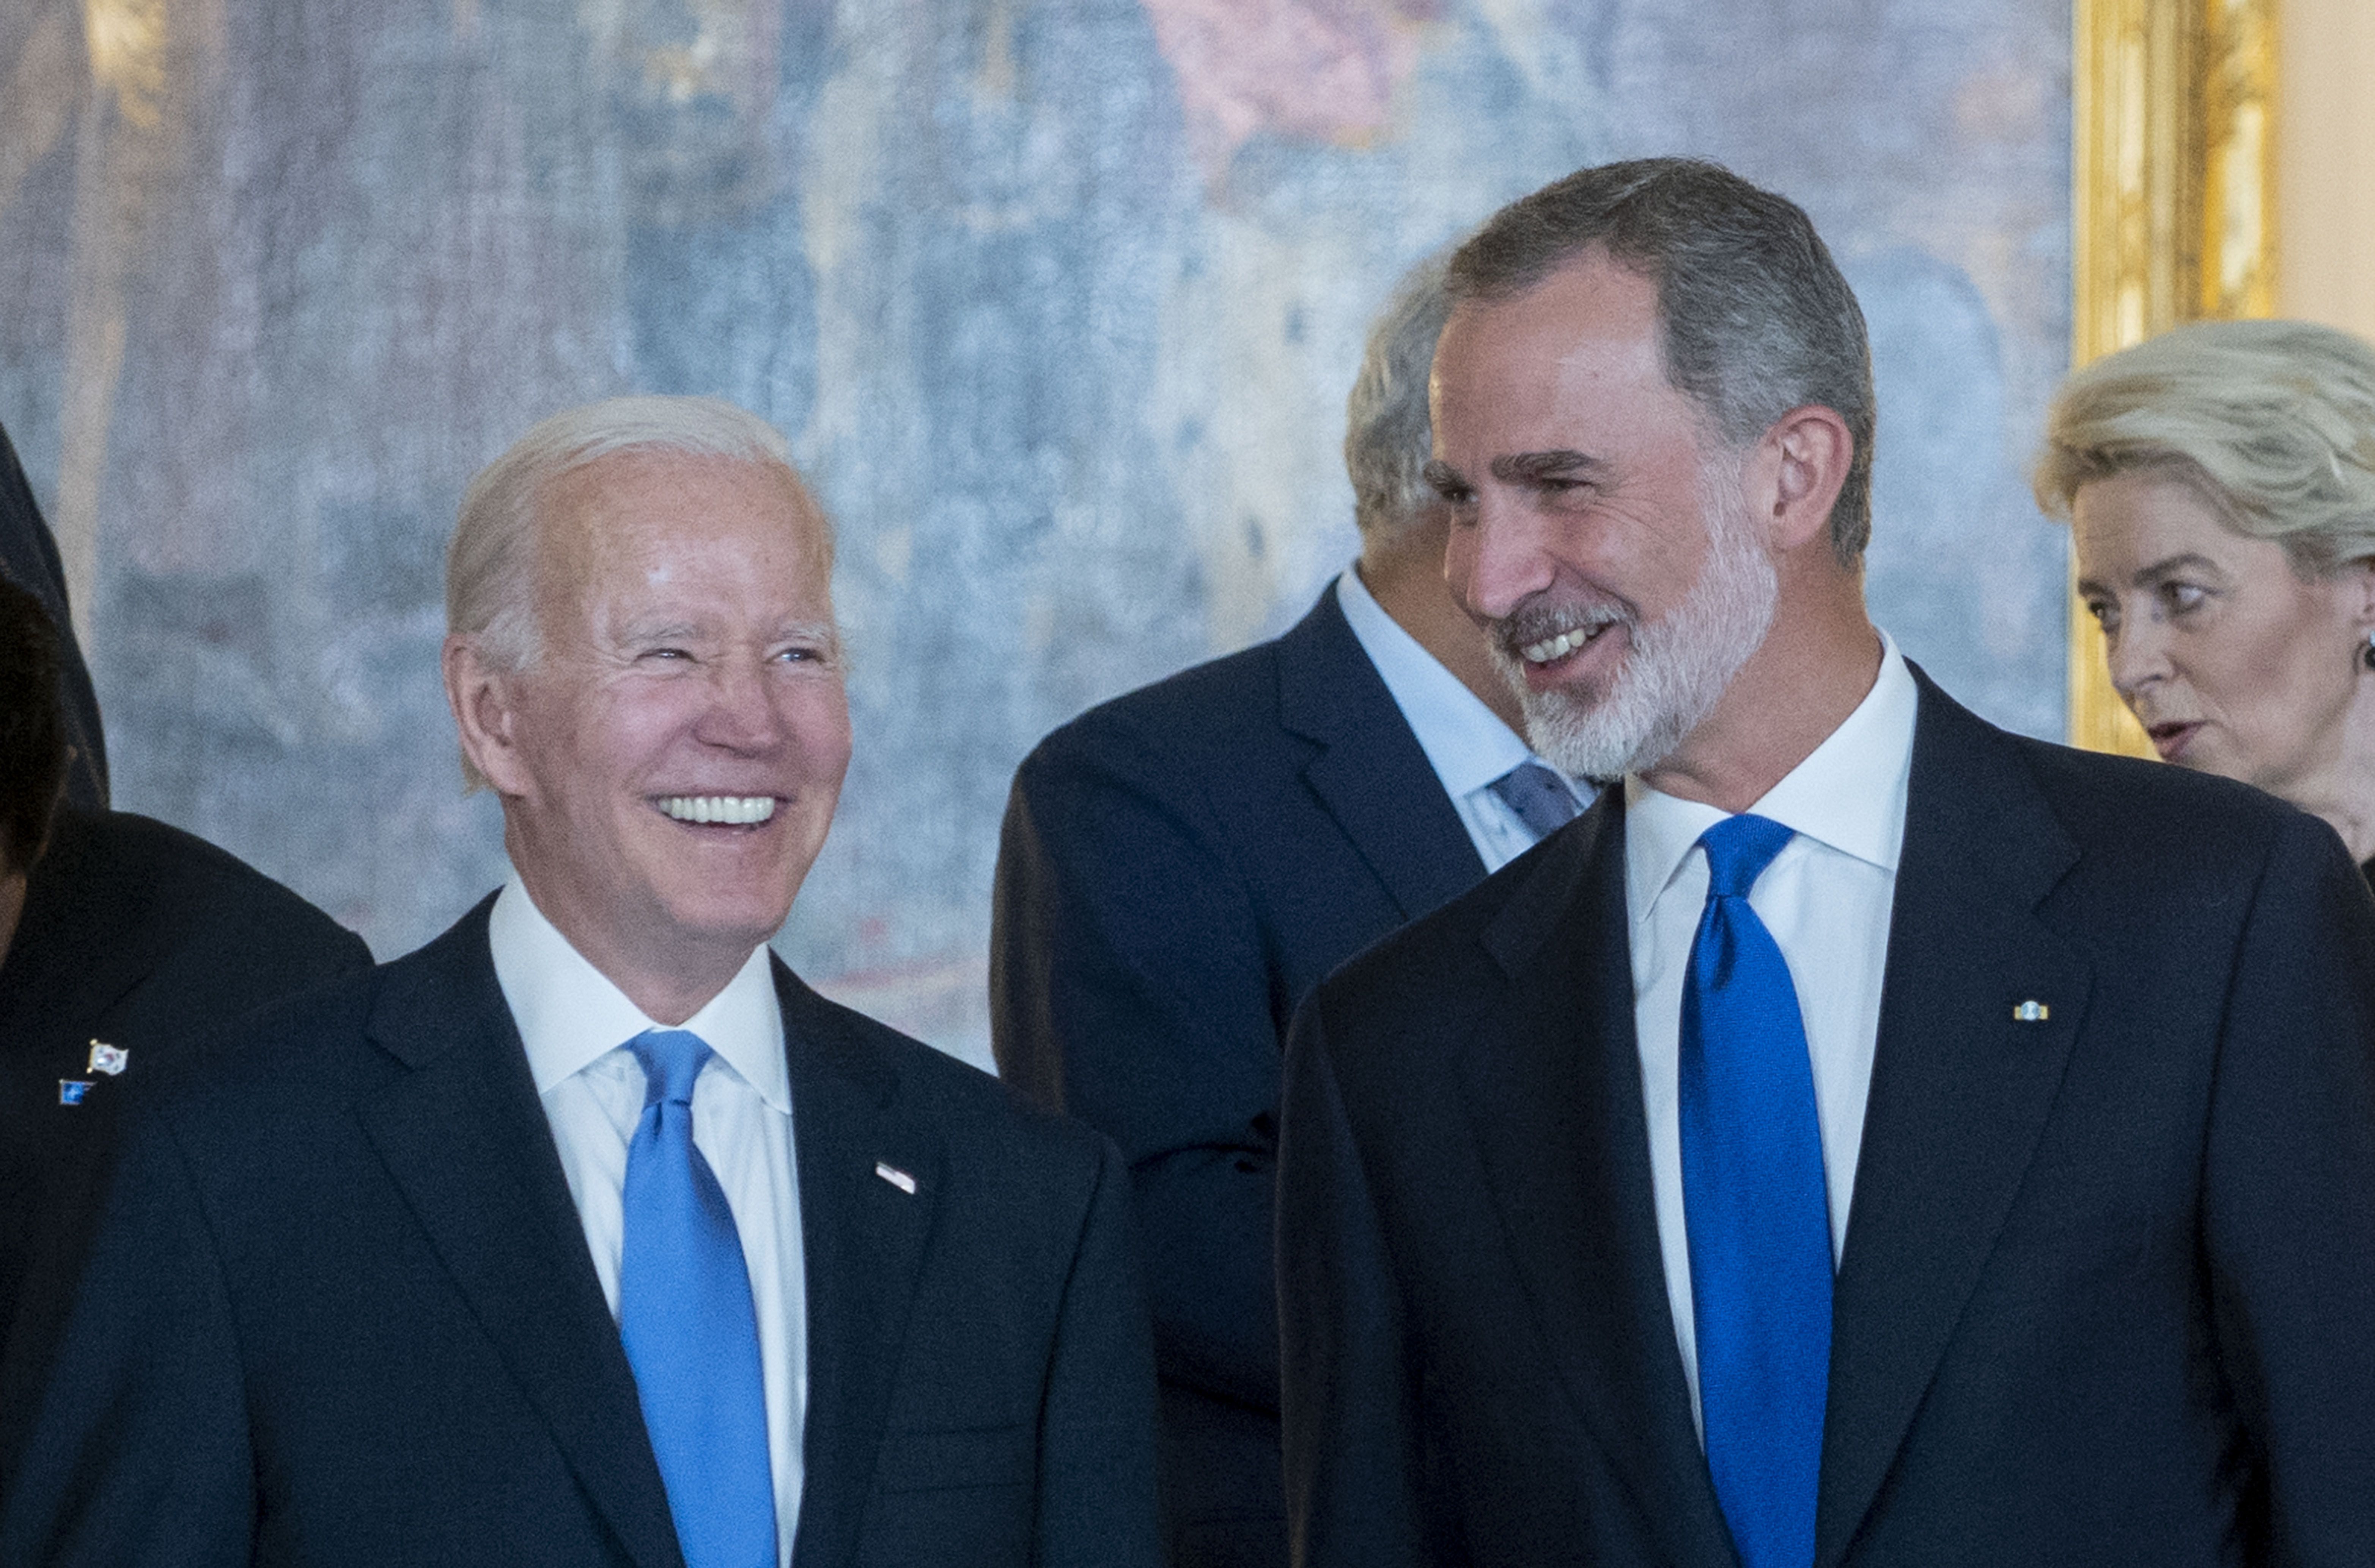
x: 1825, y: 898
x: 575, y: 1024
x: 1465, y: 743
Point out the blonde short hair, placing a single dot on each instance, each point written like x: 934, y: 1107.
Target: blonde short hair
x: 491, y: 561
x: 2272, y: 421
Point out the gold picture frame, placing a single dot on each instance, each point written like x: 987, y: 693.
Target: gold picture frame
x: 2173, y: 186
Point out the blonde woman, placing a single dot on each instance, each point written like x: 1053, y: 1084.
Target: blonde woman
x: 2220, y: 483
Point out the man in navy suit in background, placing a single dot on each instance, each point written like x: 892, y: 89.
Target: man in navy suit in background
x: 587, y: 1233
x: 1181, y: 865
x: 1867, y: 1140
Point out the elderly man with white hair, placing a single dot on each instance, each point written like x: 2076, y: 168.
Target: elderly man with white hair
x: 587, y: 1233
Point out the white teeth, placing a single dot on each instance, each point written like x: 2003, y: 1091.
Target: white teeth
x: 1558, y: 647
x: 719, y: 808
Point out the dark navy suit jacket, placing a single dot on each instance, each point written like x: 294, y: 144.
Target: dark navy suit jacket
x: 1178, y: 867
x: 139, y: 936
x: 2107, y: 1294
x: 342, y: 1312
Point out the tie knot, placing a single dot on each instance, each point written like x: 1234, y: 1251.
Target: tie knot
x: 1538, y: 795
x: 672, y: 1058
x: 1738, y: 851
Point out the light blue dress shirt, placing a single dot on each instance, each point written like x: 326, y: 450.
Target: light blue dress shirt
x: 575, y: 1024
x: 1466, y: 742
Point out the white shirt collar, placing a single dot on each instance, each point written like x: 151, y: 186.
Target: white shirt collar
x: 1849, y: 794
x: 570, y: 1014
x: 1465, y: 743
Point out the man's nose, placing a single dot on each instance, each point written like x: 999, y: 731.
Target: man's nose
x: 739, y: 716
x: 1499, y: 557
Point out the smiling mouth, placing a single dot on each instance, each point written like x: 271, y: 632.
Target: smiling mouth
x: 1549, y: 650
x: 719, y: 810
x: 2171, y: 739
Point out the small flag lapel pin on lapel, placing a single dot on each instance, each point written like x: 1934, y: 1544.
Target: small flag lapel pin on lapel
x: 109, y: 1059
x: 72, y: 1090
x: 2032, y: 1012
x: 896, y: 1177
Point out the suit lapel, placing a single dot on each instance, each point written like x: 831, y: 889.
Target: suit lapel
x: 1554, y: 1086
x: 1370, y: 774
x: 864, y: 1236
x: 465, y: 1137
x: 1961, y: 1088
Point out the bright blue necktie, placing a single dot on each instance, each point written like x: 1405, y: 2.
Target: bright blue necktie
x: 1756, y: 1211
x: 690, y: 1332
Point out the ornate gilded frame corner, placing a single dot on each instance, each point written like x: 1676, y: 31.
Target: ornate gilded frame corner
x: 2173, y: 185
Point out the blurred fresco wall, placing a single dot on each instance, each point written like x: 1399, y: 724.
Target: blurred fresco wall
x: 1058, y: 299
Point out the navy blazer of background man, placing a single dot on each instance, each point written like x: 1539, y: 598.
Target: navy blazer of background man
x: 350, y: 1303
x: 2107, y: 1291
x: 1181, y: 865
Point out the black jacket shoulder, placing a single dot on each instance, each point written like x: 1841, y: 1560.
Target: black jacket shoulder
x: 113, y: 876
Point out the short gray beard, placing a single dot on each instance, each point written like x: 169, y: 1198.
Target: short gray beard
x: 1676, y: 670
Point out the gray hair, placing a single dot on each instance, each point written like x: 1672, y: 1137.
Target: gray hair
x: 2272, y: 422
x: 1758, y: 318
x: 1385, y: 427
x: 491, y: 561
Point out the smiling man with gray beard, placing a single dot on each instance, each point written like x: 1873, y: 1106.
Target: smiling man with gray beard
x: 1680, y: 664
x: 1866, y: 1136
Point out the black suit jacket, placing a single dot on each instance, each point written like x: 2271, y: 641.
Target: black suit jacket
x: 2107, y: 1294
x: 1178, y: 867
x: 137, y: 935
x: 342, y: 1312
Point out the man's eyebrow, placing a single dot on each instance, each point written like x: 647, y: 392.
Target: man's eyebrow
x: 1532, y: 467
x: 1440, y: 477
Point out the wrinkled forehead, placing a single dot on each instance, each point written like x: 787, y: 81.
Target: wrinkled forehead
x: 621, y: 513
x: 1545, y: 368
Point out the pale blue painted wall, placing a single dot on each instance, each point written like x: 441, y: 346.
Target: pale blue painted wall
x: 1058, y: 302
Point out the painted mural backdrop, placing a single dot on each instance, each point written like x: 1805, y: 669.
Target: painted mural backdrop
x: 1058, y: 299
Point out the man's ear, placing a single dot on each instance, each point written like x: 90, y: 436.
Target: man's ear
x: 1804, y: 459
x: 483, y: 701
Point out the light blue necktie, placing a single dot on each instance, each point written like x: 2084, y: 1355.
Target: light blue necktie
x: 690, y: 1332
x: 1756, y: 1211
x: 1538, y: 795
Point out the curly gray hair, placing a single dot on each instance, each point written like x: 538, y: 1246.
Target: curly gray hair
x: 1386, y: 431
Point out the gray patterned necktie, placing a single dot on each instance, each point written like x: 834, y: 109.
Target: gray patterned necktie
x: 1538, y: 795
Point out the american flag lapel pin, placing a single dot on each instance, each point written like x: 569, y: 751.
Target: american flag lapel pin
x: 895, y: 1176
x: 109, y: 1059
